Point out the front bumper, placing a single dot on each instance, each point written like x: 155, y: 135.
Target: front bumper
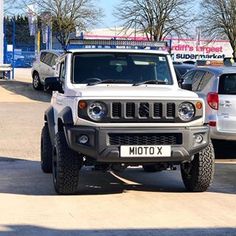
x: 100, y: 148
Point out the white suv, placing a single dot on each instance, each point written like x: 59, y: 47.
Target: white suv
x: 217, y: 86
x: 43, y: 67
x: 117, y: 107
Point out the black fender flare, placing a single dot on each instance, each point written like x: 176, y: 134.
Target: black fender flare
x: 49, y: 119
x: 65, y: 120
x: 66, y: 116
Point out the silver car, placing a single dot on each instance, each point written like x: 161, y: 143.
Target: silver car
x: 43, y: 67
x: 217, y: 86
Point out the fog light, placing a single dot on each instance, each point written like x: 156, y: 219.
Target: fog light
x: 83, y: 139
x: 198, y: 138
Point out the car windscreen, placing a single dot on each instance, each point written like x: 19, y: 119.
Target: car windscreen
x: 121, y: 67
x: 227, y: 84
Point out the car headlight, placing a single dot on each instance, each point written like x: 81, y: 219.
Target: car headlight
x: 97, y: 111
x: 186, y: 111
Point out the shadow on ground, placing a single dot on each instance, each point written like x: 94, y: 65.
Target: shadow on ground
x: 225, y: 149
x: 29, y: 230
x: 26, y: 178
x: 25, y: 89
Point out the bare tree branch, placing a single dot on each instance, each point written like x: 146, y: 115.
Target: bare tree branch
x: 219, y: 20
x: 156, y: 18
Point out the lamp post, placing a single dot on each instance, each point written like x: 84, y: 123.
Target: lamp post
x: 1, y: 32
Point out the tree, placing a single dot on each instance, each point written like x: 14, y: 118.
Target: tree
x: 155, y: 18
x: 219, y: 20
x: 66, y: 15
x: 69, y: 14
x: 22, y: 34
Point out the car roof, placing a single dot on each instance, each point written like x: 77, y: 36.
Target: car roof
x: 58, y: 52
x: 182, y: 65
x: 218, y: 70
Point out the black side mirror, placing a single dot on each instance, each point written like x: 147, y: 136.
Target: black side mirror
x: 53, y: 84
x: 186, y: 86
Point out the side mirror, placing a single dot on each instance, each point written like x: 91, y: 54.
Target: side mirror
x: 54, y: 67
x: 187, y: 86
x: 53, y: 84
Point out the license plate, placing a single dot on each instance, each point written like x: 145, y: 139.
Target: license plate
x: 145, y: 151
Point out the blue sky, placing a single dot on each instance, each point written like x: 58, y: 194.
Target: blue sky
x: 108, y: 6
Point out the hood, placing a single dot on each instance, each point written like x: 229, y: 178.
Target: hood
x: 144, y: 91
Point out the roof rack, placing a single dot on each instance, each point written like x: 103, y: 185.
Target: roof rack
x: 113, y: 43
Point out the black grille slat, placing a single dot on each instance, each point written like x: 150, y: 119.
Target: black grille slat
x: 144, y: 110
x: 130, y: 110
x: 170, y: 110
x: 158, y: 110
x: 116, y: 110
x: 145, y: 139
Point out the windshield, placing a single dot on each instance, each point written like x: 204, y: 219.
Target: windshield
x: 121, y: 68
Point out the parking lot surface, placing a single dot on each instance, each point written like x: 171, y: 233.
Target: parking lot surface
x: 110, y: 204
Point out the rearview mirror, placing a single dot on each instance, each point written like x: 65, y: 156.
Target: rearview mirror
x: 187, y: 86
x: 53, y: 84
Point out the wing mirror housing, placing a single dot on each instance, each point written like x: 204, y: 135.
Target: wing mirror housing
x: 53, y: 84
x: 186, y: 86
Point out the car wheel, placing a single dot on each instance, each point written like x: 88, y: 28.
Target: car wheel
x: 66, y: 166
x: 46, y: 150
x: 198, y: 174
x: 152, y: 168
x: 36, y: 81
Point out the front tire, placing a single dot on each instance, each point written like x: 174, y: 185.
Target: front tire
x: 36, y: 81
x: 66, y: 166
x: 46, y: 150
x: 198, y: 174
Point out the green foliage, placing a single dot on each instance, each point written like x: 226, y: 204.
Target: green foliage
x: 22, y: 36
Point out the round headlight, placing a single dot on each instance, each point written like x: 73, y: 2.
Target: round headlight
x: 186, y: 111
x: 97, y: 111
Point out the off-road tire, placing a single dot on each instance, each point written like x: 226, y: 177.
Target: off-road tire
x: 198, y: 174
x: 151, y: 168
x: 66, y: 166
x: 36, y: 82
x: 46, y: 150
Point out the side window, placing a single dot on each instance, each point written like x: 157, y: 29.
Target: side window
x: 197, y: 79
x: 62, y: 72
x: 53, y: 60
x: 188, y: 77
x: 42, y: 56
x: 204, y: 81
x: 48, y: 58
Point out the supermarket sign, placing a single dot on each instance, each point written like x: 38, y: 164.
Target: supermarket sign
x: 181, y: 49
x: 188, y: 49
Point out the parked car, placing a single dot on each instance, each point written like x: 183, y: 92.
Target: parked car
x: 43, y: 67
x: 181, y: 69
x: 217, y: 86
x: 112, y: 108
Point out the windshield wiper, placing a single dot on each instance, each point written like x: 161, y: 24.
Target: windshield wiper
x: 150, y: 82
x: 108, y: 81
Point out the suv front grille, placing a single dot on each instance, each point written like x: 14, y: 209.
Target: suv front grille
x: 146, y: 139
x: 143, y: 111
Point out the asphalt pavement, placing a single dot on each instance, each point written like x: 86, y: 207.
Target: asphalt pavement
x: 110, y: 204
